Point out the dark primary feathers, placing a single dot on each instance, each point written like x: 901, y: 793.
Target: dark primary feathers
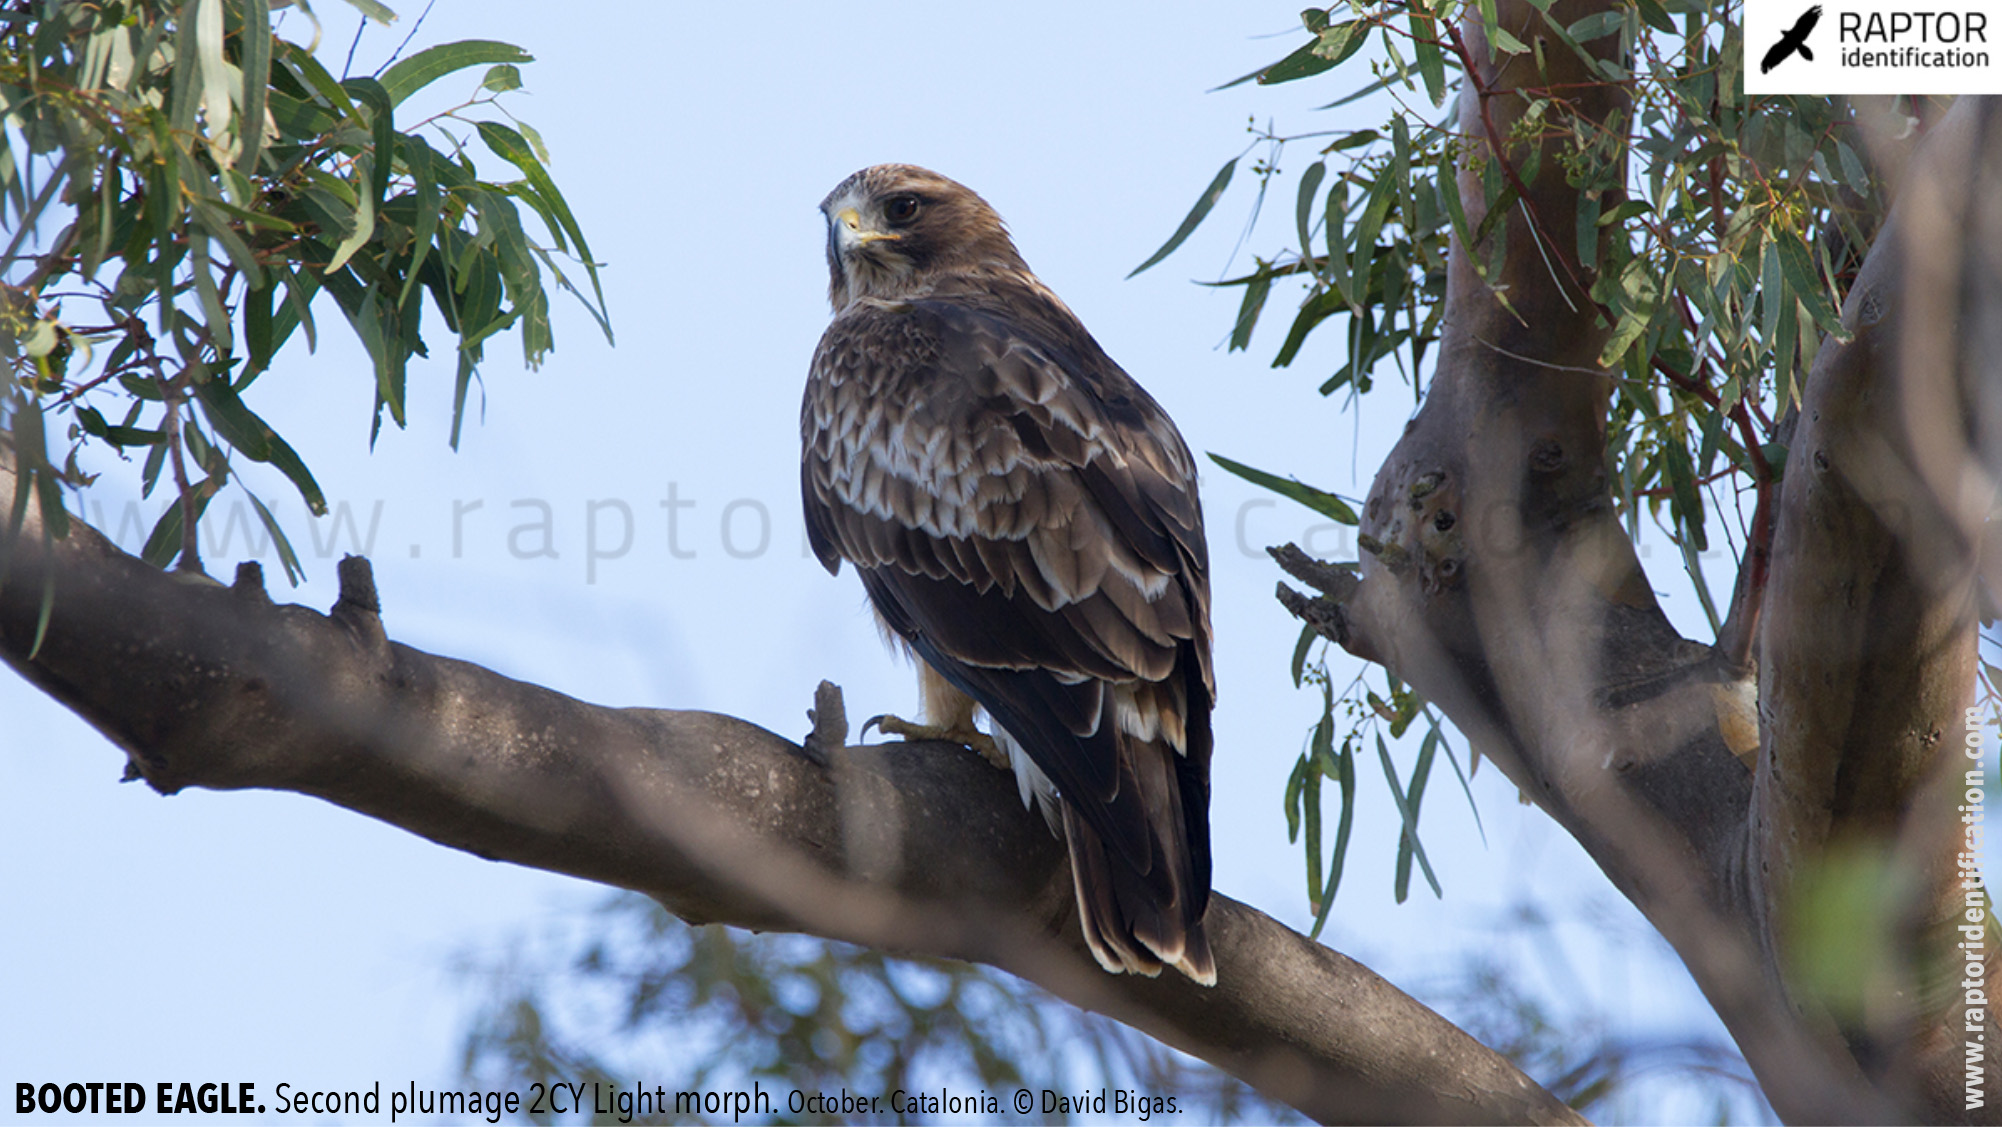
x: 1025, y: 517
x: 1794, y: 40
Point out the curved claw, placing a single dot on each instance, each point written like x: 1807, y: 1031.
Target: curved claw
x: 872, y: 722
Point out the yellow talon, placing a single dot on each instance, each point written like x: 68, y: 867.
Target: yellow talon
x: 972, y: 737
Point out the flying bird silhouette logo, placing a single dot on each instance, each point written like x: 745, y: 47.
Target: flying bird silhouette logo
x: 1794, y: 40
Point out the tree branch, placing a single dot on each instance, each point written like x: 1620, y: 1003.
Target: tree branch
x: 1868, y: 655
x: 911, y: 847
x: 1502, y: 587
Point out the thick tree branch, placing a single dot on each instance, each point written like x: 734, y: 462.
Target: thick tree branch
x: 1868, y: 654
x: 913, y: 847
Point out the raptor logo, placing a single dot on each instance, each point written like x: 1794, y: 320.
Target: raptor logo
x: 1794, y: 40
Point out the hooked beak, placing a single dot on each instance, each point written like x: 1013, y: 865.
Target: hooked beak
x: 848, y: 228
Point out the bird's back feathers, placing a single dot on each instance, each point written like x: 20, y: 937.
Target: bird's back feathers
x: 1025, y: 516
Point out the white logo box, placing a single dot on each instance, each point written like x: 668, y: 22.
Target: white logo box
x: 1857, y: 47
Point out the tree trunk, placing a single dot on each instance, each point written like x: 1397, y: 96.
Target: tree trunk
x: 1499, y: 584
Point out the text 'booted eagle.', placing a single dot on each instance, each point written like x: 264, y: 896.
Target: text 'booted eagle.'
x: 1024, y: 518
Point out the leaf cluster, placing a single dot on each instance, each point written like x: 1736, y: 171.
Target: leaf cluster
x: 1714, y: 238
x: 1715, y: 234
x: 1348, y: 725
x: 212, y: 181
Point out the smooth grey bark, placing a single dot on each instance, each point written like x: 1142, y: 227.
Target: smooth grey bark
x: 1498, y: 582
x: 917, y: 848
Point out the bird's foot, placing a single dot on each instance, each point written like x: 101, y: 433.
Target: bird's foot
x: 970, y: 736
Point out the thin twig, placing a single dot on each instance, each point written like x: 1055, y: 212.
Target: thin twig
x: 1483, y: 93
x: 414, y: 26
x: 348, y: 67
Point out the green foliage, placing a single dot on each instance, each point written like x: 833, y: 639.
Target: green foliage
x: 1716, y: 236
x: 1842, y: 920
x: 213, y: 180
x: 1361, y: 715
x: 1720, y: 231
x: 708, y: 1008
x: 1327, y: 504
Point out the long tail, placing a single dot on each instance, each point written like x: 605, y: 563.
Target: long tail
x: 1139, y: 917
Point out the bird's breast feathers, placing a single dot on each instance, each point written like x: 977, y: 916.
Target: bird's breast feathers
x: 1025, y: 517
x: 954, y: 434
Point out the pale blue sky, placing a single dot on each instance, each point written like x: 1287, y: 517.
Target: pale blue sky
x: 274, y: 938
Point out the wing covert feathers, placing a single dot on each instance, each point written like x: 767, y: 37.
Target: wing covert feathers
x: 1026, y: 518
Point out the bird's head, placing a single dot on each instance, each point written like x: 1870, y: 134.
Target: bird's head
x: 894, y: 230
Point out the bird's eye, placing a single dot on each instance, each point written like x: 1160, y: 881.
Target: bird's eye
x: 901, y: 209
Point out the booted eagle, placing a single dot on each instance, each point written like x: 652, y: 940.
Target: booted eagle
x: 1024, y: 518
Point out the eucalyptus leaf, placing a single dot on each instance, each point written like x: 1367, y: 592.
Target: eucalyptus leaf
x: 408, y: 76
x: 1204, y: 203
x: 1327, y: 504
